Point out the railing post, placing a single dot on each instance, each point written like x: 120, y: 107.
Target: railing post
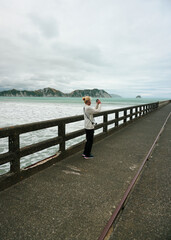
x: 105, y: 118
x: 136, y: 112
x: 144, y: 110
x: 152, y: 107
x: 158, y: 104
x: 131, y: 114
x: 141, y: 111
x: 61, y: 133
x: 14, y: 148
x: 149, y: 107
x: 125, y: 113
x: 116, y: 118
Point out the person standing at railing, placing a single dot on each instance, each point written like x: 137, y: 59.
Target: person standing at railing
x: 89, y: 124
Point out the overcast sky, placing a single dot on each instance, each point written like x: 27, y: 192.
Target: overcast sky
x: 121, y: 46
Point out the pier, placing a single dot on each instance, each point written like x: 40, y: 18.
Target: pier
x: 67, y: 197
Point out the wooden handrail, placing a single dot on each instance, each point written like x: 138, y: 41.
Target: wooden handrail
x: 13, y: 133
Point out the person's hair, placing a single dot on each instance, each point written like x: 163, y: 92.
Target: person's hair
x: 86, y: 99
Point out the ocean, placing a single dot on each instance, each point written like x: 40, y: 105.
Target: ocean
x: 22, y: 110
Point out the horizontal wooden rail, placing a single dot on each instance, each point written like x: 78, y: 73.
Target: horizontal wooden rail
x: 30, y: 127
x: 6, y: 157
x: 39, y: 146
x: 74, y: 134
x: 121, y: 117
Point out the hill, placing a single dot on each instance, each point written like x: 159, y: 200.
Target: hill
x: 51, y: 92
x: 89, y: 92
x: 115, y: 96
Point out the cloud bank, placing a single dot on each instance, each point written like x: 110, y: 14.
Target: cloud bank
x: 120, y: 46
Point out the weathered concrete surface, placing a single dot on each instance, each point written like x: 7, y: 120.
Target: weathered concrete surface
x: 147, y: 214
x: 74, y: 199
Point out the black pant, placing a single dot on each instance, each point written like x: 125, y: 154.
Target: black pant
x: 89, y: 141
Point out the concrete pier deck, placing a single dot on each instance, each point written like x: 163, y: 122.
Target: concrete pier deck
x: 74, y: 198
x: 147, y: 214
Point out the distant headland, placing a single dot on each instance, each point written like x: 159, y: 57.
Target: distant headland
x: 51, y: 92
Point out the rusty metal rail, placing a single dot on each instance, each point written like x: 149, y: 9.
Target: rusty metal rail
x: 121, y: 205
x: 120, y: 118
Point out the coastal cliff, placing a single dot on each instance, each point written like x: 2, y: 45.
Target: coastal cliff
x: 89, y: 92
x: 51, y: 92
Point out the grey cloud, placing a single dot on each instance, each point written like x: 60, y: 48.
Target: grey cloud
x: 124, y: 47
x: 91, y: 55
x: 46, y: 25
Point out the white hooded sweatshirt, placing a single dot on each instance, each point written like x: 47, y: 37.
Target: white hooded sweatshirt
x: 88, y: 115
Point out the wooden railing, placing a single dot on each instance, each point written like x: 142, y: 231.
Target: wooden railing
x: 120, y: 117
